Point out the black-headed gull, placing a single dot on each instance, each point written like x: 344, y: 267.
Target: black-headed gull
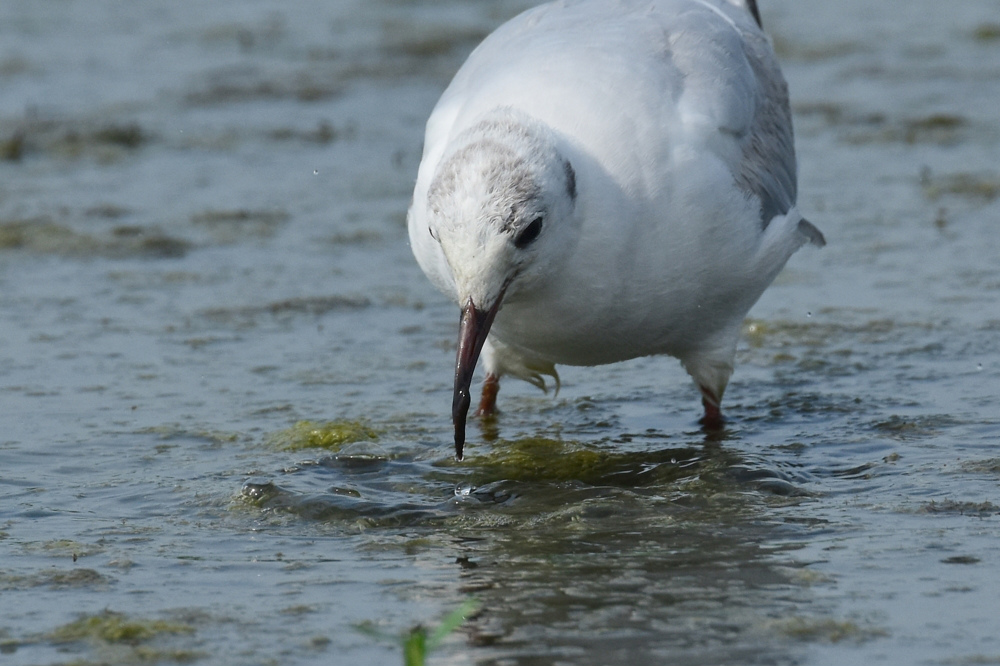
x: 609, y: 179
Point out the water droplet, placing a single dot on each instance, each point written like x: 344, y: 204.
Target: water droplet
x: 809, y: 314
x: 315, y: 172
x: 979, y: 366
x: 464, y: 489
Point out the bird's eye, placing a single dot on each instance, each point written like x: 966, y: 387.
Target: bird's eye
x: 529, y: 233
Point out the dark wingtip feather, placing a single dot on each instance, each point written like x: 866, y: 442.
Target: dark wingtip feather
x: 814, y: 235
x: 752, y: 6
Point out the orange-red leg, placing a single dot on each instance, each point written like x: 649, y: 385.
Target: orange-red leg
x: 488, y: 403
x: 712, y: 419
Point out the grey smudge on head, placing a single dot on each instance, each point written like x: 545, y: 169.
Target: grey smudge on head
x: 570, y: 179
x: 503, y: 176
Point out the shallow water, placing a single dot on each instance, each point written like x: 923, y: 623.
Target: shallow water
x: 202, y: 245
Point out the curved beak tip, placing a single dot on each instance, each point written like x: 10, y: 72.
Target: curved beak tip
x: 459, y: 414
x: 473, y: 329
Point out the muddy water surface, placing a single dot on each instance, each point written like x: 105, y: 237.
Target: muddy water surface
x: 224, y: 383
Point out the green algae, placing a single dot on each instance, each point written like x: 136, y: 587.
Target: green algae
x: 106, y: 143
x: 168, y: 432
x: 904, y: 428
x: 940, y: 128
x: 540, y: 459
x: 63, y: 548
x: 329, y: 435
x: 943, y: 129
x: 71, y: 579
x: 790, y: 49
x: 129, y: 135
x: 119, y: 639
x: 987, y: 466
x: 827, y: 630
x: 242, y: 317
x: 987, y: 32
x: 948, y: 506
x: 12, y: 148
x: 118, y: 655
x: 111, y: 627
x: 323, y: 134
x: 43, y: 235
x: 961, y: 559
x: 831, y: 326
x: 56, y: 579
x: 862, y: 127
x: 980, y: 187
x: 232, y: 226
x: 548, y: 460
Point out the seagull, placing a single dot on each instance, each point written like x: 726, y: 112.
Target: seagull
x: 604, y: 180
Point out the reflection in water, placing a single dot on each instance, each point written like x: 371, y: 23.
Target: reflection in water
x: 608, y: 587
x: 598, y: 552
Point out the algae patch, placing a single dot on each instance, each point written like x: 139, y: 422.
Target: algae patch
x: 111, y: 627
x: 546, y: 460
x: 63, y: 548
x: 116, y: 638
x: 56, y: 579
x: 858, y: 127
x: 943, y: 129
x: 43, y: 235
x: 540, y: 459
x: 827, y: 630
x: 71, y: 140
x: 987, y: 466
x: 230, y: 226
x: 948, y: 506
x: 987, y: 32
x: 977, y: 187
x: 907, y: 428
x: 331, y: 435
x: 242, y: 317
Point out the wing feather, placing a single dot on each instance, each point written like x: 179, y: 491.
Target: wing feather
x: 750, y: 111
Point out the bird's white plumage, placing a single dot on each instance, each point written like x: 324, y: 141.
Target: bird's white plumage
x: 654, y: 138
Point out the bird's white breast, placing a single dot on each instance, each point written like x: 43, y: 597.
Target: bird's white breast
x: 655, y: 102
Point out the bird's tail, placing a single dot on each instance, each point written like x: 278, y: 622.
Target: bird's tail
x: 810, y: 231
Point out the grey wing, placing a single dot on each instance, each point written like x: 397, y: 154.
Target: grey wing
x: 730, y: 76
x: 768, y: 168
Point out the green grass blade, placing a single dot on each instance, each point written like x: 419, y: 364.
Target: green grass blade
x: 415, y: 647
x: 452, y: 622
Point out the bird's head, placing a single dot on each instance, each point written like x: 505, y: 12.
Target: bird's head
x: 501, y: 206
